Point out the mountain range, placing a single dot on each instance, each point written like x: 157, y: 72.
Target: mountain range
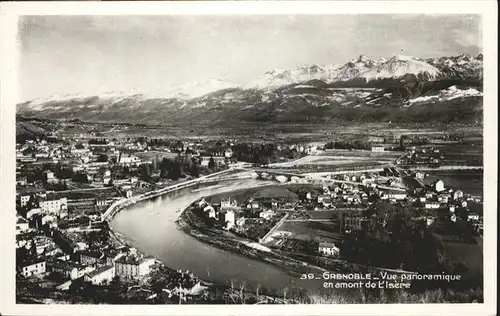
x: 397, y: 89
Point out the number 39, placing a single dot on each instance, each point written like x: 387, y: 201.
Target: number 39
x: 308, y: 276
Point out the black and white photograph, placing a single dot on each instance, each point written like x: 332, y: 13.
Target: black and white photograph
x: 250, y: 159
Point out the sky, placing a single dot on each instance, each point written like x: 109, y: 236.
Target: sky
x: 91, y: 55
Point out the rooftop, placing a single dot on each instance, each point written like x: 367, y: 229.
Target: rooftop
x: 325, y: 244
x: 99, y: 271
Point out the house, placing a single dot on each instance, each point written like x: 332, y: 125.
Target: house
x: 129, y: 160
x: 68, y: 269
x: 33, y: 212
x: 111, y: 256
x: 266, y: 214
x: 100, y: 201
x: 49, y: 219
x: 458, y: 195
x: 21, y: 225
x: 228, y: 153
x: 240, y: 222
x: 35, y: 267
x: 228, y: 218
x: 208, y: 209
x: 253, y: 204
x: 25, y: 194
x: 202, y: 202
x: 130, y: 267
x: 54, y: 205
x: 432, y: 205
x: 101, y: 275
x: 472, y: 216
x: 49, y: 175
x: 419, y: 175
x: 429, y: 221
x: 439, y: 186
x: 219, y: 161
x: 225, y: 204
x: 377, y: 148
x: 92, y: 258
x: 397, y: 195
x: 328, y: 249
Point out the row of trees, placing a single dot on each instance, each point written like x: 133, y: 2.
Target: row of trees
x: 263, y: 154
x: 348, y: 144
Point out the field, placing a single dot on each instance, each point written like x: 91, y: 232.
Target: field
x: 262, y: 192
x: 322, y: 214
x: 342, y: 158
x: 470, y: 182
x: 319, y: 231
x: 152, y: 155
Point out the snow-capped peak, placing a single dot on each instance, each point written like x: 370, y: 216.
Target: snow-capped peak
x: 195, y: 89
x: 399, y: 66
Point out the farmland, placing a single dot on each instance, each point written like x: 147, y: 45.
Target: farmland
x: 319, y: 231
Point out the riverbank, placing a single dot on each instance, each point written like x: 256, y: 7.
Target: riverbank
x: 241, y: 246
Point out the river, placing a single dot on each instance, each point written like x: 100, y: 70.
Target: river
x: 150, y: 226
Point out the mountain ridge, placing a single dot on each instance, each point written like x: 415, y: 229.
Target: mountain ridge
x: 357, y: 89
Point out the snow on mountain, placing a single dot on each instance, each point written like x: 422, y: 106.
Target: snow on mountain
x: 280, y: 77
x: 354, y: 68
x: 399, y: 66
x: 196, y: 89
x: 448, y: 94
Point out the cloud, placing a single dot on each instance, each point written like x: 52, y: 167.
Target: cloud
x: 466, y: 38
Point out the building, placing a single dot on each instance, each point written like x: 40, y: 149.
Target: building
x: 21, y: 225
x: 56, y: 206
x: 49, y: 175
x: 241, y: 221
x: 25, y: 194
x: 224, y: 204
x: 111, y: 256
x: 458, y: 195
x: 33, y: 212
x: 101, y: 275
x: 92, y: 258
x: 328, y: 249
x: 266, y: 214
x: 210, y: 210
x: 129, y: 160
x: 432, y: 205
x: 377, y: 148
x: 131, y: 267
x: 219, y: 161
x: 397, y: 195
x: 354, y: 222
x: 68, y: 269
x: 33, y: 268
x: 439, y: 186
x: 228, y: 153
x: 228, y: 218
x: 419, y: 175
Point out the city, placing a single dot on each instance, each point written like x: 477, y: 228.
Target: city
x: 385, y: 198
x: 265, y: 161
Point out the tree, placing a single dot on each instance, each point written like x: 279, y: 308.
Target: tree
x: 195, y: 170
x: 175, y: 171
x: 102, y: 158
x: 211, y: 163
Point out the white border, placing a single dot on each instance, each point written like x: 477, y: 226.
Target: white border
x: 8, y: 66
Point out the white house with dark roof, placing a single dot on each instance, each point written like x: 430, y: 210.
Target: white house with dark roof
x: 328, y: 249
x: 35, y: 267
x: 101, y: 275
